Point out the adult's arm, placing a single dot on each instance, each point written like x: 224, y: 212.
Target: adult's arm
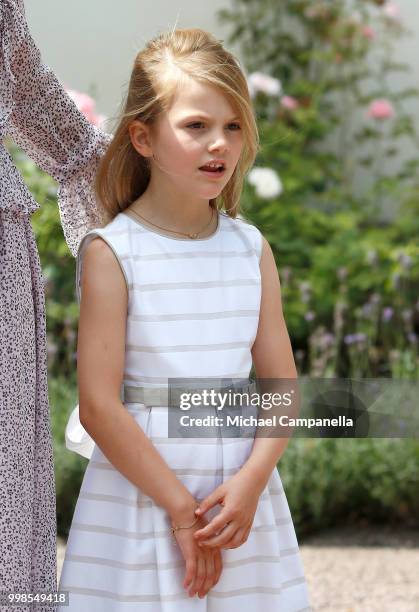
x: 44, y: 121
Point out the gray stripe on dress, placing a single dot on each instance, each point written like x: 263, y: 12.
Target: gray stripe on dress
x: 100, y: 465
x: 194, y: 255
x: 115, y: 596
x: 174, y: 564
x: 256, y: 590
x: 116, y: 499
x: 162, y: 440
x: 166, y: 533
x: 195, y: 316
x: 181, y: 348
x: 165, y: 380
x: 234, y: 282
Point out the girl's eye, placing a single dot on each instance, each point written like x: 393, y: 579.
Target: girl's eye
x: 197, y: 124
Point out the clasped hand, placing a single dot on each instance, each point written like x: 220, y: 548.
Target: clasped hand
x: 231, y: 526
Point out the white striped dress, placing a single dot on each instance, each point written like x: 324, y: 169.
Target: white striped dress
x: 192, y: 312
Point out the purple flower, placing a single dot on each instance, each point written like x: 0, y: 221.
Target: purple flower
x: 309, y: 315
x: 387, y: 313
x: 360, y: 337
x: 326, y: 340
x: 412, y: 337
x: 367, y: 309
x: 355, y: 338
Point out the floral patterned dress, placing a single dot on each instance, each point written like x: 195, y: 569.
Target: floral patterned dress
x: 37, y: 113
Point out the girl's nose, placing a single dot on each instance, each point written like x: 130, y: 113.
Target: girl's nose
x: 219, y: 144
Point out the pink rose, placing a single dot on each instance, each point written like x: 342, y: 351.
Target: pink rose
x: 380, y: 109
x: 86, y: 105
x: 98, y: 120
x: 289, y: 103
x: 368, y: 32
x: 392, y: 10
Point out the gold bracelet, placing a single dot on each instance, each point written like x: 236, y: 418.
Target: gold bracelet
x: 176, y: 527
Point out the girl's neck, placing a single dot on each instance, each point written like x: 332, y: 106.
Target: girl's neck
x: 175, y: 213
x: 167, y: 216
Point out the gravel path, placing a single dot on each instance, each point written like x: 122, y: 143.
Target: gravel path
x: 357, y: 570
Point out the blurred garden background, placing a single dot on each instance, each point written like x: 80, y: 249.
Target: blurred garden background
x: 335, y: 190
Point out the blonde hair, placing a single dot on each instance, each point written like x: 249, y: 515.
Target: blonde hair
x: 158, y: 73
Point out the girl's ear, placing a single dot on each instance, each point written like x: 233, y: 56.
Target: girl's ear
x: 140, y: 138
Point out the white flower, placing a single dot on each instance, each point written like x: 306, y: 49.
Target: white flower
x: 392, y: 10
x: 266, y: 182
x: 258, y: 81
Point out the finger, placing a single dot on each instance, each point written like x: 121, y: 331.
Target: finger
x: 189, y: 573
x: 213, y: 526
x: 210, y: 568
x: 238, y: 538
x: 211, y: 500
x: 200, y: 575
x: 248, y: 531
x: 225, y: 536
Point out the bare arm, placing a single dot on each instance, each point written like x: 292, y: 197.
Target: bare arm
x: 101, y: 352
x: 43, y: 120
x: 272, y: 358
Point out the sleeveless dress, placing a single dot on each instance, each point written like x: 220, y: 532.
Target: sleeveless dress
x: 193, y: 308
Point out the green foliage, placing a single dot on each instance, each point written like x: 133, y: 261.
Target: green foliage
x: 330, y: 482
x: 344, y: 229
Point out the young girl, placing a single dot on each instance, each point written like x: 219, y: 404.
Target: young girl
x: 176, y: 285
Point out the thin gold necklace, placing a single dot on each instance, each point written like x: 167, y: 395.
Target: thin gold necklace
x: 191, y: 235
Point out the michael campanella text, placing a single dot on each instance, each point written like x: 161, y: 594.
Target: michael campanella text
x: 252, y: 421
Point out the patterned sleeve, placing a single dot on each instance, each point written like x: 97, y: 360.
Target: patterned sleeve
x: 44, y: 121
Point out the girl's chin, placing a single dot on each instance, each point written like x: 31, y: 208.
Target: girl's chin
x: 211, y: 191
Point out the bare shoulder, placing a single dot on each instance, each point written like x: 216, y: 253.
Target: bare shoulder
x: 98, y: 251
x: 102, y: 271
x: 268, y: 267
x: 102, y: 323
x: 266, y: 248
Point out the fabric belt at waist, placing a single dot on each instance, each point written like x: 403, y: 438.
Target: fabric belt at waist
x: 159, y: 396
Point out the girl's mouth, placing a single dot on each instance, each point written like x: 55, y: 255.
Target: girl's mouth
x: 213, y: 172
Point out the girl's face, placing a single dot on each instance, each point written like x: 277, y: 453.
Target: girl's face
x: 200, y: 126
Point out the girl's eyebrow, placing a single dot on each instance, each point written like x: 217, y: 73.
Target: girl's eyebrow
x: 203, y: 116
